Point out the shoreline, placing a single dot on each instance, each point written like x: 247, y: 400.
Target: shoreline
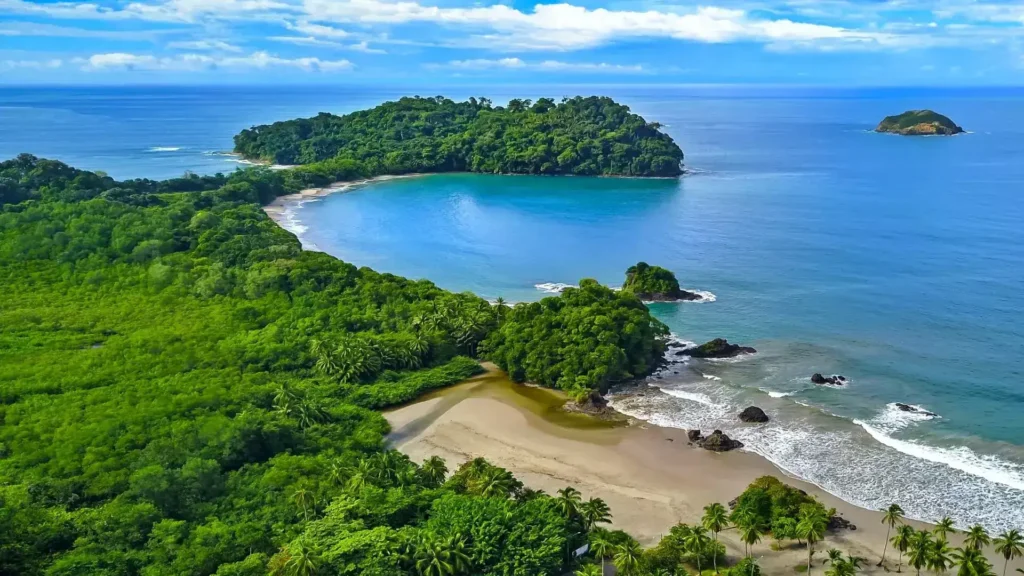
x: 649, y: 475
x: 277, y: 209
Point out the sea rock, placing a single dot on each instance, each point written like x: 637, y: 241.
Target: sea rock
x: 908, y: 408
x: 675, y: 296
x: 717, y: 348
x: 834, y: 380
x: 753, y: 414
x: 694, y: 436
x: 839, y: 523
x: 719, y: 442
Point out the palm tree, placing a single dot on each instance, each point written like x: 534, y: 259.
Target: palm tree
x: 434, y: 470
x: 568, y: 502
x: 750, y: 534
x: 976, y: 537
x: 627, y: 558
x: 901, y: 541
x: 970, y: 562
x: 943, y: 528
x: 1011, y: 545
x: 495, y: 482
x: 940, y: 560
x: 715, y: 519
x: 589, y: 570
x: 844, y: 566
x: 892, y: 516
x: 920, y: 546
x: 436, y: 556
x: 835, y: 555
x: 594, y: 512
x: 812, y: 529
x: 602, y: 548
x: 696, y: 543
x: 303, y: 561
x: 304, y: 500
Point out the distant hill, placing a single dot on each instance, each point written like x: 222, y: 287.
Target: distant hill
x: 919, y: 123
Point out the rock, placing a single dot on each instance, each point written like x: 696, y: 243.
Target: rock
x: 753, y: 414
x: 837, y: 380
x: 839, y: 523
x: 914, y: 409
x: 719, y: 442
x: 919, y: 123
x: 676, y: 296
x: 717, y: 348
x: 694, y: 435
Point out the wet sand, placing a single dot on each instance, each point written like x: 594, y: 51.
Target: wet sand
x: 649, y: 476
x: 277, y: 208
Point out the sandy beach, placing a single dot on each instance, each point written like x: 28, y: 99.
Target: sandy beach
x: 649, y: 476
x: 278, y: 208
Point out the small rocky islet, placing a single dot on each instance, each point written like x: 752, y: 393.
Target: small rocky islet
x: 919, y: 123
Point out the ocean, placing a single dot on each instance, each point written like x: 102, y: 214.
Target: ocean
x: 896, y: 262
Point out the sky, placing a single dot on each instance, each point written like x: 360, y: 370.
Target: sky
x: 445, y: 42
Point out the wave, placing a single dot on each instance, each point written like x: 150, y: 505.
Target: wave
x: 164, y: 149
x: 222, y: 153
x: 553, y: 287
x: 774, y: 394
x: 711, y: 377
x: 959, y: 458
x: 705, y: 296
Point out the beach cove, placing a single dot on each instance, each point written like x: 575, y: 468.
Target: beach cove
x: 649, y: 475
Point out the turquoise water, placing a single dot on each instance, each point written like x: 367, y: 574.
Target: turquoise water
x: 896, y: 262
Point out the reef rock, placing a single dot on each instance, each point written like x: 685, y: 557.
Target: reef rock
x: 753, y: 414
x: 834, y: 380
x: 694, y: 436
x: 719, y: 442
x: 908, y: 408
x: 717, y: 348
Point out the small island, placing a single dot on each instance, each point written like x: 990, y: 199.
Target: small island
x: 581, y: 136
x: 919, y: 123
x: 655, y: 284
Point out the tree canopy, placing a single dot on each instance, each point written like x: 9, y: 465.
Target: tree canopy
x: 581, y: 136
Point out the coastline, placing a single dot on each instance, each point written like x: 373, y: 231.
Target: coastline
x: 649, y: 475
x: 278, y: 209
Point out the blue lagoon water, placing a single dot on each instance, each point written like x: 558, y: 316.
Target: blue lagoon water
x: 897, y: 262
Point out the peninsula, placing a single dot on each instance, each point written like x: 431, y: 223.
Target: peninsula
x: 592, y: 136
x: 919, y: 123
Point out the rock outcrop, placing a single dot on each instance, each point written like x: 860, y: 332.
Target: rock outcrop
x: 919, y: 123
x: 835, y: 380
x: 716, y: 442
x: 908, y: 408
x: 717, y: 348
x: 655, y: 284
x: 753, y: 414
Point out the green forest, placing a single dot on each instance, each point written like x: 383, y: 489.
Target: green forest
x: 592, y: 136
x: 185, y: 391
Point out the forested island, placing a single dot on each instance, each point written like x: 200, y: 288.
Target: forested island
x: 593, y: 136
x: 919, y: 123
x: 655, y: 284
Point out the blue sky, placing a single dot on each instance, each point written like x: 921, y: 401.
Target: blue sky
x: 444, y: 42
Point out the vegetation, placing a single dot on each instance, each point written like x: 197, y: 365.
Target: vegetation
x: 919, y: 122
x: 184, y: 391
x: 584, y: 339
x: 654, y: 283
x: 582, y: 136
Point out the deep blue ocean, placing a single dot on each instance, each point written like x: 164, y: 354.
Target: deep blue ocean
x: 897, y: 262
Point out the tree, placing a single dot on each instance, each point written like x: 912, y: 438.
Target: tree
x: 901, y: 541
x: 812, y: 529
x: 891, y: 516
x: 715, y: 519
x: 594, y: 511
x: 627, y: 558
x: 750, y: 534
x: 841, y: 566
x: 943, y: 528
x: 302, y: 562
x: 970, y: 562
x: 976, y: 537
x: 1010, y: 544
x: 589, y: 570
x: 304, y: 501
x: 940, y: 558
x: 920, y: 546
x: 434, y: 470
x: 696, y: 544
x: 438, y: 556
x: 602, y: 548
x: 568, y: 501
x: 834, y: 556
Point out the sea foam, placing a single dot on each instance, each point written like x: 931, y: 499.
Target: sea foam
x: 164, y: 149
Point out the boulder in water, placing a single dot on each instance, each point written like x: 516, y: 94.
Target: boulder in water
x: 837, y: 380
x: 908, y: 408
x: 694, y: 436
x: 717, y: 348
x: 753, y: 414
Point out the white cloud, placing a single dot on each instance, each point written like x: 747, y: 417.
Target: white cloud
x: 193, y: 62
x: 31, y: 64
x: 545, y: 66
x: 363, y: 46
x: 165, y: 11
x: 321, y: 31
x: 207, y: 45
x: 38, y: 29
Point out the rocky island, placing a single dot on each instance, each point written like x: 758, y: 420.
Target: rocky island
x: 655, y: 284
x: 919, y: 123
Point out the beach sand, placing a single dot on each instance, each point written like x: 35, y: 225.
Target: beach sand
x: 649, y: 476
x: 277, y: 209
